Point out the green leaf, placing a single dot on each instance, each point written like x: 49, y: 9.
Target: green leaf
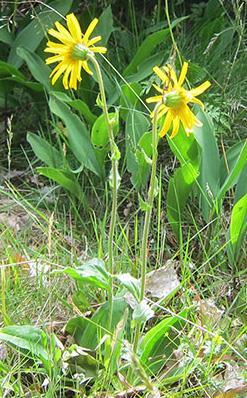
x: 92, y: 272
x: 31, y: 36
x: 105, y: 26
x: 89, y: 332
x: 236, y: 170
x: 6, y: 36
x: 146, y: 49
x: 142, y: 312
x: 129, y: 98
x: 77, y: 104
x: 146, y: 68
x: 78, y: 136
x: 136, y: 126
x: 65, y: 178
x: 228, y: 161
x: 45, y: 151
x: 185, y: 148
x: 180, y: 186
x: 157, y: 334
x: 210, y: 164
x: 238, y: 225
x: 100, y: 134
x: 241, y: 188
x: 7, y: 69
x: 131, y: 284
x: 37, y: 67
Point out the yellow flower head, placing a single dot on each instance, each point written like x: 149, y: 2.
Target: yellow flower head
x: 174, y: 100
x: 72, y: 50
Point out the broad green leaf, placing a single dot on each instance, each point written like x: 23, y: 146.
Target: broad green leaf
x: 92, y: 272
x: 241, y: 188
x: 100, y: 134
x: 228, y: 161
x: 37, y: 67
x: 236, y: 170
x: 77, y: 104
x: 210, y: 164
x: 180, y: 186
x: 238, y: 225
x: 130, y: 283
x: 78, y: 136
x: 129, y: 98
x: 149, y: 345
x: 136, y: 126
x: 142, y: 312
x: 104, y: 27
x: 31, y: 36
x: 45, y: 151
x: 185, y: 148
x: 6, y: 36
x: 146, y: 49
x: 88, y: 332
x: 65, y: 178
x: 145, y: 69
x: 7, y: 69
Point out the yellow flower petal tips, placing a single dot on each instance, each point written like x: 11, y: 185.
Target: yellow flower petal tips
x: 174, y: 100
x: 72, y: 50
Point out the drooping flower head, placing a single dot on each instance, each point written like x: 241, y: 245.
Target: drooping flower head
x: 175, y: 99
x: 72, y: 50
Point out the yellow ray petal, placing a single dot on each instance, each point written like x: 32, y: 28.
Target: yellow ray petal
x: 200, y: 89
x: 61, y: 29
x: 57, y: 72
x: 66, y: 76
x: 176, y: 122
x: 159, y: 89
x: 93, y: 41
x: 162, y: 75
x: 171, y: 74
x: 183, y: 73
x: 74, y: 27
x: 90, y: 29
x: 197, y: 101
x: 73, y: 77
x: 101, y: 50
x: 59, y: 36
x: 157, y: 98
x: 86, y: 67
x: 56, y: 50
x: 167, y: 124
x: 56, y: 58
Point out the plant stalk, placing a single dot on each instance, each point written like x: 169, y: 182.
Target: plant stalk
x: 114, y: 162
x: 148, y: 214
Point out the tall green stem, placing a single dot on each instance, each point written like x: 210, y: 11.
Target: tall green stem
x: 148, y: 214
x: 114, y: 177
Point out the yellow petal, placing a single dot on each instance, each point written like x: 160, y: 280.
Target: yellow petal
x: 159, y: 89
x: 183, y: 73
x: 171, y: 74
x: 74, y: 27
x: 93, y: 41
x: 162, y: 111
x: 200, y: 89
x: 157, y: 98
x: 59, y: 36
x: 101, y: 50
x: 167, y: 124
x: 73, y: 77
x: 56, y: 58
x: 162, y: 75
x: 57, y: 72
x: 66, y: 76
x: 197, y: 101
x: 61, y: 29
x: 86, y: 67
x: 90, y: 28
x: 176, y: 122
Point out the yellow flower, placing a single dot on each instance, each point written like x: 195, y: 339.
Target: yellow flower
x: 72, y: 50
x: 174, y: 100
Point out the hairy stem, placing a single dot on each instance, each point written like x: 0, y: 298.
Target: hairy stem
x: 114, y: 176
